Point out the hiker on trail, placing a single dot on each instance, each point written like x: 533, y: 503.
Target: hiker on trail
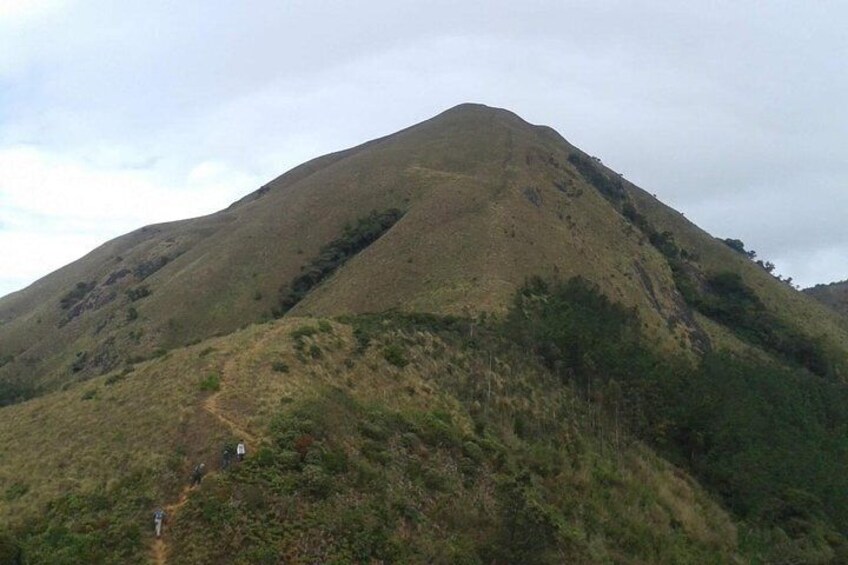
x: 240, y: 450
x: 158, y: 518
x: 197, y: 474
x: 226, y: 458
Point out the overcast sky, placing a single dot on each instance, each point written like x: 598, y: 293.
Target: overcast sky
x: 114, y: 115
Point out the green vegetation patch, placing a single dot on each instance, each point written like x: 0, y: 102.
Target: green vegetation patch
x: 395, y: 354
x: 99, y: 526
x: 729, y: 301
x: 610, y: 188
x: 725, y: 298
x: 75, y: 295
x: 147, y: 268
x: 138, y: 293
x: 14, y: 390
x: 211, y: 383
x: 516, y: 471
x: 752, y: 431
x: 353, y: 240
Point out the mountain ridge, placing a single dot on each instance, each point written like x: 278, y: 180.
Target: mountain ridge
x: 431, y: 340
x: 474, y: 227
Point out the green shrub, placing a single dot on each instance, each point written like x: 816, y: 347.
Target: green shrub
x: 15, y: 491
x: 333, y: 255
x: 138, y: 293
x: 280, y: 366
x: 13, y: 391
x: 315, y: 481
x: 610, y: 188
x: 78, y: 293
x: 10, y: 550
x: 473, y: 451
x: 79, y: 362
x: 147, y: 268
x: 395, y: 354
x: 211, y: 383
x: 437, y: 430
x: 289, y: 460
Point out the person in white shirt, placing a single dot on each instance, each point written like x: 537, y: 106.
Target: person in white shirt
x: 158, y: 518
x: 240, y: 450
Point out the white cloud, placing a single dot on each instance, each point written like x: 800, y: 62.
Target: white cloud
x: 54, y: 209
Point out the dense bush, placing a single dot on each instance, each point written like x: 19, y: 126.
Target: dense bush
x: 354, y: 239
x: 211, y: 383
x: 769, y: 439
x: 13, y: 391
x: 147, y: 268
x: 395, y: 354
x: 725, y: 298
x: 98, y: 526
x: 138, y: 293
x: 78, y: 293
x: 729, y: 301
x: 610, y: 188
x: 10, y: 550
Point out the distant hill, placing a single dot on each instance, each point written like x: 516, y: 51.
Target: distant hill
x: 834, y: 295
x: 468, y: 341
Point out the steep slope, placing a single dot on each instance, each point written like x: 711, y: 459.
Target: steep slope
x: 487, y: 200
x: 533, y: 397
x: 833, y: 295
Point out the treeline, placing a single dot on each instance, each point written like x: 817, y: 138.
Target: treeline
x: 354, y: 239
x: 771, y: 440
x: 725, y: 297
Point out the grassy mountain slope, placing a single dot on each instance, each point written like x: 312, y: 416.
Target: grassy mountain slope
x: 714, y: 256
x: 382, y: 459
x: 570, y: 406
x: 488, y: 200
x: 833, y: 295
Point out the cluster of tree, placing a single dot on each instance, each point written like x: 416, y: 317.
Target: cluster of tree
x: 353, y: 240
x: 725, y: 298
x: 769, y: 438
x: 13, y: 391
x: 611, y: 188
x: 678, y: 259
x: 728, y: 300
x: 739, y: 246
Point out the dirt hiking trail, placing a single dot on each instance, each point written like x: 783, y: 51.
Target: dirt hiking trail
x: 159, y: 549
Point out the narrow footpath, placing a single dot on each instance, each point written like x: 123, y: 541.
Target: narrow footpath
x: 210, y: 405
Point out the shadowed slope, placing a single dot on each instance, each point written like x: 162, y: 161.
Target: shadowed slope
x: 833, y: 295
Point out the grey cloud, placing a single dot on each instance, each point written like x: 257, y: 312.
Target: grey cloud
x: 730, y: 111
